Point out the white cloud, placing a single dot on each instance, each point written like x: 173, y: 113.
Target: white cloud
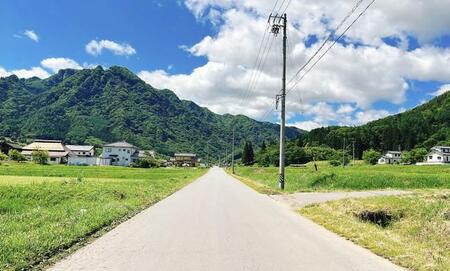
x: 443, y: 89
x: 306, y: 125
x: 31, y: 35
x: 56, y: 64
x: 96, y: 48
x: 4, y: 73
x: 356, y: 77
x: 33, y: 72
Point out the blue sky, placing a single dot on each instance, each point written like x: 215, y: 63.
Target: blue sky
x: 64, y: 28
x: 392, y: 60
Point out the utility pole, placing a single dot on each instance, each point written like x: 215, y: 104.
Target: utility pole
x: 343, y: 154
x: 232, y: 155
x: 280, y: 22
x: 353, y: 152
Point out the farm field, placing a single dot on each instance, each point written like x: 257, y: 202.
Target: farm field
x: 357, y: 177
x: 45, y: 210
x: 411, y: 230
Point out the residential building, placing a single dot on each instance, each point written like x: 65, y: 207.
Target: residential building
x: 439, y: 155
x: 185, y: 160
x: 58, y: 153
x: 6, y: 146
x: 119, y: 154
x: 391, y: 157
x: 81, y: 155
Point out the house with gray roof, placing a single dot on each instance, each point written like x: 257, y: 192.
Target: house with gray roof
x: 119, y: 154
x: 439, y: 155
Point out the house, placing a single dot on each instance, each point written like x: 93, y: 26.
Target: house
x: 119, y: 154
x: 81, y: 155
x: 439, y: 155
x: 58, y: 153
x: 6, y: 146
x: 185, y: 160
x: 391, y: 157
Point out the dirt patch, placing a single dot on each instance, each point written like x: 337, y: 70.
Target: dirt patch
x: 380, y: 218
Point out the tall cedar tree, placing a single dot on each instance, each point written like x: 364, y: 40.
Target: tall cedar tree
x: 248, y: 157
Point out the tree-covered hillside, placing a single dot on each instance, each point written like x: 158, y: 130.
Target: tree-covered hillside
x: 425, y: 126
x: 95, y: 106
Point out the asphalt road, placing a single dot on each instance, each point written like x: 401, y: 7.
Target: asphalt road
x: 217, y: 223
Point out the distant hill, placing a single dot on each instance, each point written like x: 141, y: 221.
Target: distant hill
x: 425, y: 126
x: 95, y: 106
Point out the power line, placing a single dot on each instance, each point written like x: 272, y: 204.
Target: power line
x: 332, y: 45
x: 329, y: 38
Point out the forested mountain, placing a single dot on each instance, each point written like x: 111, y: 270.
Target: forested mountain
x: 424, y: 126
x: 94, y: 106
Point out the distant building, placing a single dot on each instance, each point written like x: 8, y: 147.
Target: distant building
x: 144, y: 154
x: 439, y: 155
x: 391, y: 157
x: 119, y: 154
x: 6, y: 146
x: 81, y: 155
x: 58, y: 153
x: 185, y: 160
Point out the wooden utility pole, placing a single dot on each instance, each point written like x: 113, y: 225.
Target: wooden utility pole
x: 280, y: 22
x: 232, y: 155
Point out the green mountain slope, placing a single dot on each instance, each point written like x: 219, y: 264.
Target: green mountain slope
x: 425, y: 126
x: 96, y: 105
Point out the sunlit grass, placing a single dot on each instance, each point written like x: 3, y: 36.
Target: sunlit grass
x: 418, y: 237
x: 40, y: 216
x: 357, y: 177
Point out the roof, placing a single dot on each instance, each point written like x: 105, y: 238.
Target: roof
x: 46, y: 145
x: 51, y: 154
x: 11, y: 145
x: 441, y: 147
x: 186, y: 154
x: 142, y: 154
x: 79, y: 148
x: 398, y: 152
x: 121, y: 144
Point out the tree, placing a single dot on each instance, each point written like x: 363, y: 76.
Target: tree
x: 40, y: 157
x: 371, y: 156
x: 15, y: 155
x: 3, y: 157
x: 248, y: 157
x: 414, y: 156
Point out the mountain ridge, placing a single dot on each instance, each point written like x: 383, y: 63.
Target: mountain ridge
x: 95, y: 106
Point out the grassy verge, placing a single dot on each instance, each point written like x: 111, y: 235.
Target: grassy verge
x: 41, y: 216
x: 412, y: 231
x: 357, y: 177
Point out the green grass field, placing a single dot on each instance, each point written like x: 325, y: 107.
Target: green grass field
x: 415, y: 233
x: 357, y: 177
x: 45, y: 210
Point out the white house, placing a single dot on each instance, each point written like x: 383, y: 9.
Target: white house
x: 57, y: 152
x: 119, y: 154
x: 81, y: 155
x: 439, y: 155
x: 391, y: 157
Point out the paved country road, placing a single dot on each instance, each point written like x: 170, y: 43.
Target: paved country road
x: 217, y: 223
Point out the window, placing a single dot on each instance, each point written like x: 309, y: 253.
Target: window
x: 124, y: 150
x: 108, y: 150
x: 53, y: 159
x: 126, y: 159
x: 439, y: 158
x: 128, y: 151
x: 431, y: 157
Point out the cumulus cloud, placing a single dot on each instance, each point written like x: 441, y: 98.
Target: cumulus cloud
x: 356, y: 75
x: 33, y: 72
x: 56, y: 64
x: 443, y: 89
x: 31, y: 35
x: 96, y: 48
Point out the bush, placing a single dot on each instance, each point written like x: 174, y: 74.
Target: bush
x: 15, y: 155
x: 371, y: 156
x: 40, y: 157
x: 414, y: 156
x: 335, y: 163
x: 3, y: 157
